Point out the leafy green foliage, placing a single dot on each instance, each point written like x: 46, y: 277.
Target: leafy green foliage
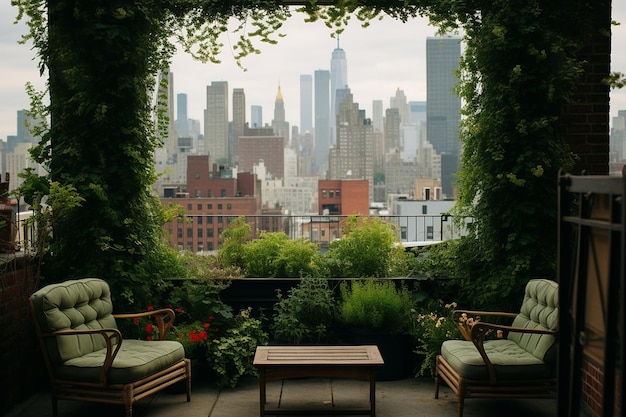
x: 275, y: 255
x: 432, y: 326
x: 232, y: 353
x: 306, y: 314
x: 369, y: 247
x: 376, y: 305
x: 236, y: 234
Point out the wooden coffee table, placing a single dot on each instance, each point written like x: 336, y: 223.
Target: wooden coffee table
x: 284, y: 362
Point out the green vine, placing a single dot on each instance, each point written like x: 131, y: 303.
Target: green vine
x: 519, y: 68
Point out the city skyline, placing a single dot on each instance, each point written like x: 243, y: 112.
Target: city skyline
x: 381, y: 59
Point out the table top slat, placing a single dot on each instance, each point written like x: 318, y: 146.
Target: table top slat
x: 317, y: 355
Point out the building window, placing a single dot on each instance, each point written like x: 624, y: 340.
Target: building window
x: 197, y: 175
x: 424, y: 209
x: 337, y: 193
x: 229, y: 206
x: 189, y: 207
x: 209, y: 220
x: 209, y: 232
x: 200, y: 232
x: 199, y: 205
x: 429, y: 233
x: 209, y: 193
x: 199, y: 219
x: 209, y: 206
x: 220, y: 220
x: 179, y: 233
x: 210, y: 245
x: 219, y: 231
x: 219, y: 206
x: 323, y: 232
x: 180, y: 246
x: 189, y: 233
x: 190, y: 246
x: 323, y: 193
x: 200, y: 247
x: 403, y: 233
x: 331, y: 194
x: 223, y: 192
x: 198, y: 193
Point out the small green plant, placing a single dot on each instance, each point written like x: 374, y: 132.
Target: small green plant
x: 430, y: 328
x: 376, y: 305
x: 231, y: 355
x: 305, y: 314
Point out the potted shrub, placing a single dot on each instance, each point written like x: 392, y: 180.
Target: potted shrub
x: 377, y: 312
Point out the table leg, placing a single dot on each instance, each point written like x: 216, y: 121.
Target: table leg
x: 372, y: 393
x: 262, y: 392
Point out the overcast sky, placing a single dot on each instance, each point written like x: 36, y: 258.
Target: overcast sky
x: 382, y: 58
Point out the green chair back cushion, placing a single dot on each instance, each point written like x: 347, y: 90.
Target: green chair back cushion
x: 539, y: 310
x: 76, y: 304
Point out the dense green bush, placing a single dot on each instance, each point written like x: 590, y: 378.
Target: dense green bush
x: 306, y: 313
x: 369, y: 247
x: 376, y: 305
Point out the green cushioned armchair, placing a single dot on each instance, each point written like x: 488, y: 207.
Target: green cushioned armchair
x: 522, y: 365
x: 87, y: 358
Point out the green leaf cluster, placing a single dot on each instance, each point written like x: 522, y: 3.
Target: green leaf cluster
x: 376, y: 305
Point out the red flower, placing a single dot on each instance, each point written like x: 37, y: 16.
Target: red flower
x: 150, y: 308
x: 202, y: 335
x: 136, y: 321
x: 193, y: 336
x: 211, y: 317
x: 207, y: 325
x: 149, y: 328
x: 179, y: 310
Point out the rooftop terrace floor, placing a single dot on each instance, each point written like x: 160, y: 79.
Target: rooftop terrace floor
x: 411, y: 397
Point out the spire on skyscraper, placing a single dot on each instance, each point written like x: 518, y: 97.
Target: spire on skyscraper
x: 279, y: 94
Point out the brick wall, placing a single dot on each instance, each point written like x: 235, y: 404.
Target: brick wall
x: 22, y: 365
x: 592, y: 390
x: 585, y: 121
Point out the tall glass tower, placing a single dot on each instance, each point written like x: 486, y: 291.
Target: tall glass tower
x: 322, y: 119
x: 443, y: 106
x: 338, y: 81
x: 306, y: 103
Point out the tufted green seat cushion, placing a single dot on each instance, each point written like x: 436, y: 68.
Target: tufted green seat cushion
x: 135, y: 360
x: 86, y: 304
x: 521, y: 355
x: 509, y: 359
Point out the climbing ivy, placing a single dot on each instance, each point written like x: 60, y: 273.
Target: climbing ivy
x: 519, y: 67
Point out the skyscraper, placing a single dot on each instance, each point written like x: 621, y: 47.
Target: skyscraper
x: 399, y: 102
x: 443, y: 106
x: 216, y: 122
x: 181, y: 115
x: 280, y: 125
x: 256, y: 116
x: 239, y: 121
x: 322, y: 119
x: 353, y: 156
x: 306, y: 103
x: 338, y: 81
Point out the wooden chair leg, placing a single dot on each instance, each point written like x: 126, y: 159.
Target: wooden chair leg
x: 437, y: 378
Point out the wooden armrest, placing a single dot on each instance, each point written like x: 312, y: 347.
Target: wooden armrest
x: 164, y: 318
x: 480, y: 330
x: 112, y: 348
x: 486, y: 313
